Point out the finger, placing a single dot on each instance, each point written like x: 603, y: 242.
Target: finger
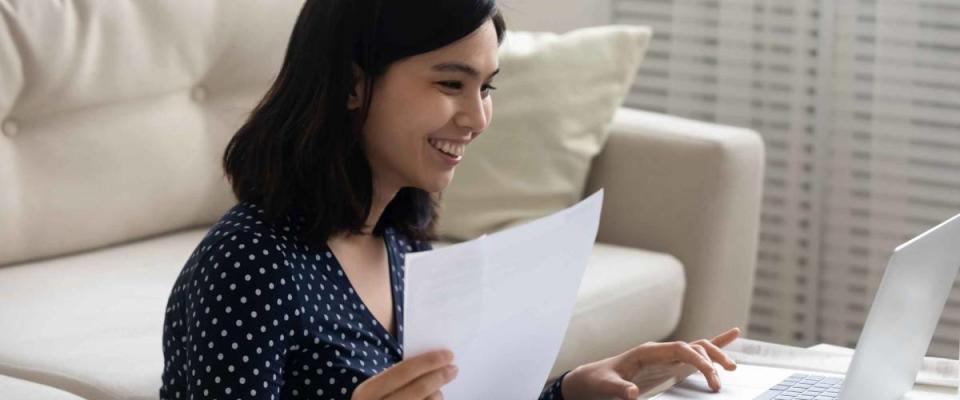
x: 435, y: 396
x: 717, y: 355
x: 630, y: 391
x: 702, y: 353
x: 406, y: 371
x: 723, y: 339
x: 425, y: 385
x: 705, y: 356
x: 655, y: 353
x: 624, y: 390
x: 679, y: 351
x: 615, y: 386
x: 688, y: 354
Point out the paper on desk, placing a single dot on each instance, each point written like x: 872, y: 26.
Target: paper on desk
x: 831, y: 359
x: 501, y: 302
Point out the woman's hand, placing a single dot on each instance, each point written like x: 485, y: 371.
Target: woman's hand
x: 636, y: 371
x: 416, y: 378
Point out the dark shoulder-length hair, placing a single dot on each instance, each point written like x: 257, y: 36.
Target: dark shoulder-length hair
x: 300, y: 151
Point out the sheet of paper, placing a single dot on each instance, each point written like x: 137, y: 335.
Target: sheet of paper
x: 753, y: 352
x: 501, y: 302
x: 934, y: 371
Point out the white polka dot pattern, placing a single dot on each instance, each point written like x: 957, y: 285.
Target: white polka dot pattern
x: 256, y: 313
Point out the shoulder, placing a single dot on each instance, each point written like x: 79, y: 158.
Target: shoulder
x: 245, y: 229
x: 249, y: 219
x: 243, y: 252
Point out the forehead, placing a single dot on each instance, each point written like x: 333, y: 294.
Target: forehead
x: 478, y: 50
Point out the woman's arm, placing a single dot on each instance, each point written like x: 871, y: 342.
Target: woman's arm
x: 637, y: 371
x: 240, y: 322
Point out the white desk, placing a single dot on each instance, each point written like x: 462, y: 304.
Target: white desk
x: 931, y: 392
x: 918, y: 392
x: 749, y: 381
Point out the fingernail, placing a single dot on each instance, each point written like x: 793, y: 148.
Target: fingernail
x: 451, y: 372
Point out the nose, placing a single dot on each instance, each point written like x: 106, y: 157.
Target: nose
x: 473, y: 114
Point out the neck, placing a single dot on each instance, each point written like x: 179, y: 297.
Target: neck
x: 382, y: 196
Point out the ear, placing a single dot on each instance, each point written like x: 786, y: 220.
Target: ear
x: 355, y: 99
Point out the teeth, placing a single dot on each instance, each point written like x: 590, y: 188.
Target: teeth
x: 450, y: 148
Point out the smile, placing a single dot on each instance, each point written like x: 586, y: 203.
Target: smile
x: 451, y: 149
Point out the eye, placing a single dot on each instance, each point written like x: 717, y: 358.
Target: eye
x: 455, y: 85
x: 486, y: 89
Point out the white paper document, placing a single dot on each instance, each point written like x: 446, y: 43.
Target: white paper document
x: 501, y: 302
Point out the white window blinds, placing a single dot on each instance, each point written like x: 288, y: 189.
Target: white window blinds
x: 858, y: 104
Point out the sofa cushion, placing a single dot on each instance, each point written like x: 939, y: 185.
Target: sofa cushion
x: 91, y: 323
x: 69, y: 331
x: 556, y: 96
x: 628, y: 297
x: 13, y: 388
x: 112, y: 108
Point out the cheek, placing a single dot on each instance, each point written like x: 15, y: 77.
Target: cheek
x: 397, y: 128
x: 488, y: 110
x: 412, y: 112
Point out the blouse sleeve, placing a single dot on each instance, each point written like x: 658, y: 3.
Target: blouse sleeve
x: 552, y: 392
x: 421, y: 245
x: 241, y: 321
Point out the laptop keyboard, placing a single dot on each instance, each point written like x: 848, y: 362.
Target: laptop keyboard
x: 805, y: 387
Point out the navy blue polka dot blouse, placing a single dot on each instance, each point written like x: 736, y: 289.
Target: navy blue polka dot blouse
x: 256, y: 313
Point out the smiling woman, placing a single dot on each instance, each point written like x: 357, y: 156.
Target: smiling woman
x: 426, y: 108
x: 297, y: 290
x: 365, y: 88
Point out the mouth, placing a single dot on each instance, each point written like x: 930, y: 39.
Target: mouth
x: 451, y: 150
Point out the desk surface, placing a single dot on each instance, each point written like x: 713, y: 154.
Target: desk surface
x: 918, y: 392
x: 749, y: 381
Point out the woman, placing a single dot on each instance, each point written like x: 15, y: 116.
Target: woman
x: 297, y: 290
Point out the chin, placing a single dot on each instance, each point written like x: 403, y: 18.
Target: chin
x: 437, y: 184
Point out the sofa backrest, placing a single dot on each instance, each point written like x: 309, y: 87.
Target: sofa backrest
x: 115, y: 113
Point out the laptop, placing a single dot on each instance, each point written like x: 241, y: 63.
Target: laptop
x: 894, y: 340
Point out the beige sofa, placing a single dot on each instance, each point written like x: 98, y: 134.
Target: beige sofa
x: 114, y: 116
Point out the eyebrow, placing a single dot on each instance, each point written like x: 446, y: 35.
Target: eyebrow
x: 460, y: 67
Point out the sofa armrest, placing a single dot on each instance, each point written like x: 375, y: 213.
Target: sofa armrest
x: 691, y: 189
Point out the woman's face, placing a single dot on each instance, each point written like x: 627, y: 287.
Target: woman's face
x: 427, y: 108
